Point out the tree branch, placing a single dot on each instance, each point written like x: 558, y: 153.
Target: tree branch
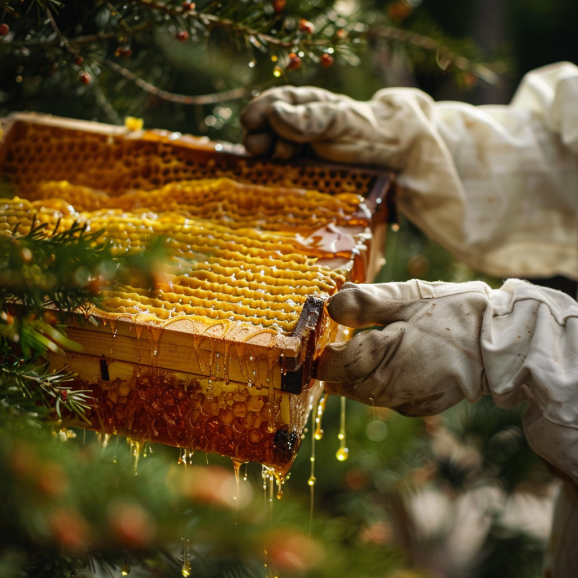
x: 233, y: 94
x: 78, y: 41
x: 445, y: 55
x: 227, y: 23
x: 50, y: 384
x: 206, y: 19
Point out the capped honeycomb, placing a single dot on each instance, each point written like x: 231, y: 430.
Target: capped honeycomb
x: 219, y: 356
x: 230, y: 260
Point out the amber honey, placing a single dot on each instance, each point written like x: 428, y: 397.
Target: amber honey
x: 230, y: 419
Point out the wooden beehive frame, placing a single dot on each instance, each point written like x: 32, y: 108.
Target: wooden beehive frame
x: 179, y: 346
x: 207, y: 158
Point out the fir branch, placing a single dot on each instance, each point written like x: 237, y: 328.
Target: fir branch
x: 128, y: 29
x: 297, y: 41
x: 445, y: 55
x: 248, y: 27
x: 27, y: 381
x: 74, y: 42
x: 64, y: 270
x: 233, y: 94
x: 12, y: 7
x: 41, y: 271
x: 27, y: 385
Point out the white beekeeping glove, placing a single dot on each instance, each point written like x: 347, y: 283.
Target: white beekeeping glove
x: 443, y: 342
x: 496, y: 185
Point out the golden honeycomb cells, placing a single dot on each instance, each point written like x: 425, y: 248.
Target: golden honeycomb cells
x: 215, y: 271
x: 218, y: 357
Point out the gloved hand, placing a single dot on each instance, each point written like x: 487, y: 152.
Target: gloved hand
x: 495, y: 185
x: 442, y: 342
x: 378, y: 132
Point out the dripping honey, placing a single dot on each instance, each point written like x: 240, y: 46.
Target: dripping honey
x: 226, y: 420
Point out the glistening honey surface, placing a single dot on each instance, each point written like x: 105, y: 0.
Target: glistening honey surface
x: 229, y: 260
x: 224, y: 201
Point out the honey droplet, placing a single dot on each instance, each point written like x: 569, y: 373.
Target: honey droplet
x: 311, y: 481
x: 280, y: 479
x: 237, y: 467
x: 125, y: 570
x: 277, y: 72
x: 135, y: 448
x: 342, y: 454
x: 186, y: 567
x: 320, y: 411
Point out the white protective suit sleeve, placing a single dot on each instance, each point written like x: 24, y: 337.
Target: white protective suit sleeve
x: 443, y: 342
x: 495, y: 185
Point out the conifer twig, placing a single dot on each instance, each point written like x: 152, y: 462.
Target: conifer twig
x: 216, y: 21
x: 446, y: 56
x: 31, y: 381
x: 76, y: 41
x: 232, y: 94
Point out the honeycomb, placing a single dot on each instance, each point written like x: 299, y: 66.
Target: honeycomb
x: 242, y: 423
x: 229, y: 259
x: 224, y: 201
x: 251, y: 242
x: 148, y: 160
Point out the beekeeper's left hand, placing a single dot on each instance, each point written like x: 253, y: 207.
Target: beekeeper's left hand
x: 495, y: 185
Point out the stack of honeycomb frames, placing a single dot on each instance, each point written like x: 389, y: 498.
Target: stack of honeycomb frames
x: 201, y: 378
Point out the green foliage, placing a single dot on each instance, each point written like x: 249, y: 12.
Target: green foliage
x: 44, y: 274
x: 65, y: 269
x: 79, y: 505
x: 412, y: 255
x: 26, y: 384
x: 192, y: 69
x: 50, y: 269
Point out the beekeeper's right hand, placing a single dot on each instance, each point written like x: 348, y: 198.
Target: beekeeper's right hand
x: 443, y: 342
